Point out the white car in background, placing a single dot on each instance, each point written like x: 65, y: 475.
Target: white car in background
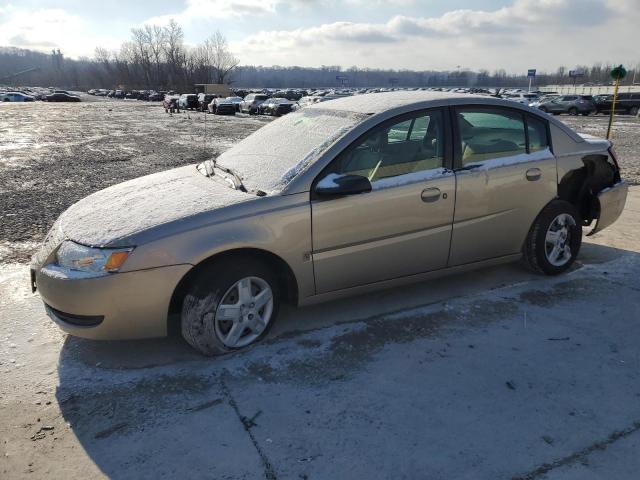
x: 523, y: 98
x: 252, y: 101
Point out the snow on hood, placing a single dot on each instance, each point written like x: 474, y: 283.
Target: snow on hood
x: 131, y: 207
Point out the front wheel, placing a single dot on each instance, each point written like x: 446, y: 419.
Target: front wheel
x: 633, y: 111
x: 573, y: 111
x: 554, y: 239
x: 229, y: 306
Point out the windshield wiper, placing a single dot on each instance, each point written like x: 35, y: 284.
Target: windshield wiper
x: 235, y: 180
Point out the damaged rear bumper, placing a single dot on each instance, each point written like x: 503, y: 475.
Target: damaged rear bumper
x: 611, y: 202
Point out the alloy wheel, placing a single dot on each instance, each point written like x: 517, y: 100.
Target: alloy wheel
x: 244, y: 312
x: 558, y: 240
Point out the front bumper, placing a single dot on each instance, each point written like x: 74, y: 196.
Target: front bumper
x: 129, y: 305
x: 611, y: 202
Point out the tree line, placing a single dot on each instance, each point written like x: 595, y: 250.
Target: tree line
x: 157, y: 58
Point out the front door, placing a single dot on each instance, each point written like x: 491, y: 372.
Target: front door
x: 506, y: 174
x: 403, y: 226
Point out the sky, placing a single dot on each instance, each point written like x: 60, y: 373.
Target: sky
x: 402, y: 34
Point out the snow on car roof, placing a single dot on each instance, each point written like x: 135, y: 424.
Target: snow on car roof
x: 380, y: 102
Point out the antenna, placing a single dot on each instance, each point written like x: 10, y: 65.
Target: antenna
x: 204, y: 138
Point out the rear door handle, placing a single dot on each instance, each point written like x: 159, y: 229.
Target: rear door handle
x: 533, y: 174
x: 430, y: 195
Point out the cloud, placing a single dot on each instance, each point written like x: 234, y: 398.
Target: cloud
x: 532, y: 33
x: 47, y: 28
x: 36, y: 29
x: 209, y: 9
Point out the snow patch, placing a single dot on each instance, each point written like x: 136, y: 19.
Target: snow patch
x: 143, y: 203
x: 268, y: 159
x: 329, y: 181
x: 62, y: 273
x: 408, y: 178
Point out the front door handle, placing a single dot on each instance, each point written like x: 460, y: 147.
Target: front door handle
x: 533, y: 174
x: 430, y: 195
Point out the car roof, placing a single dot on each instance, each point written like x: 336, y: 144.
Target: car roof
x: 386, y: 105
x: 373, y: 103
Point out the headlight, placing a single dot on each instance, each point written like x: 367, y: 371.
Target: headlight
x: 74, y: 256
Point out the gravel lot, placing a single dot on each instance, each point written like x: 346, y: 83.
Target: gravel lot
x: 52, y: 155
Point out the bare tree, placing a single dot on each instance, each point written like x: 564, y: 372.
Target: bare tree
x: 219, y: 58
x: 141, y: 50
x: 157, y: 38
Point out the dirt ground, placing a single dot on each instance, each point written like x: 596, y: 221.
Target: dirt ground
x: 492, y: 374
x: 52, y: 155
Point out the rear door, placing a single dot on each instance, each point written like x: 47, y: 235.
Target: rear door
x: 403, y: 226
x: 505, y: 175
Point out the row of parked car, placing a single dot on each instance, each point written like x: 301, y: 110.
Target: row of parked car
x: 253, y: 103
x: 32, y: 96
x: 574, y: 104
x: 147, y: 95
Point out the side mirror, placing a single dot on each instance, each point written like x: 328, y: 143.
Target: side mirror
x: 335, y: 184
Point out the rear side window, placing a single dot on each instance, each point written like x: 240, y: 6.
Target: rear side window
x: 537, y: 130
x: 486, y: 134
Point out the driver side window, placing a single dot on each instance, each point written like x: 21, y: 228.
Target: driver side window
x: 412, y: 145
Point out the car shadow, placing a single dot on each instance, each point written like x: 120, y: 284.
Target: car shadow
x: 129, y: 402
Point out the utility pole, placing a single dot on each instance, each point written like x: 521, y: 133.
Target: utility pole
x: 617, y: 74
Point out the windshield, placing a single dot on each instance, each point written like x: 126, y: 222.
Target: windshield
x: 268, y: 159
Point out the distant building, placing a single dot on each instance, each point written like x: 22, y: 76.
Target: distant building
x: 219, y: 89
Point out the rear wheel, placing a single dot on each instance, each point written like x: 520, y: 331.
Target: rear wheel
x: 229, y: 306
x: 633, y: 111
x: 554, y: 240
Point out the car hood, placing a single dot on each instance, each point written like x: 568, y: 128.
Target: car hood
x: 107, y: 216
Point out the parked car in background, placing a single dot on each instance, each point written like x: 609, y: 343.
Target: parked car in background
x: 339, y: 198
x: 523, y: 98
x: 276, y: 107
x: 252, y: 101
x: 571, y: 104
x: 204, y: 99
x: 188, y: 101
x: 16, y: 97
x: 170, y: 104
x: 61, y: 97
x: 156, y: 96
x: 306, y: 101
x: 236, y: 102
x: 625, y: 103
x: 223, y: 106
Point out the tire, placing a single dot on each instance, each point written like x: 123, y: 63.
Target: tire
x: 633, y: 111
x: 573, y: 111
x: 539, y: 249
x: 218, y: 285
x: 544, y: 109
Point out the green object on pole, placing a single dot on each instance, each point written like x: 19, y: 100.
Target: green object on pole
x: 618, y: 73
